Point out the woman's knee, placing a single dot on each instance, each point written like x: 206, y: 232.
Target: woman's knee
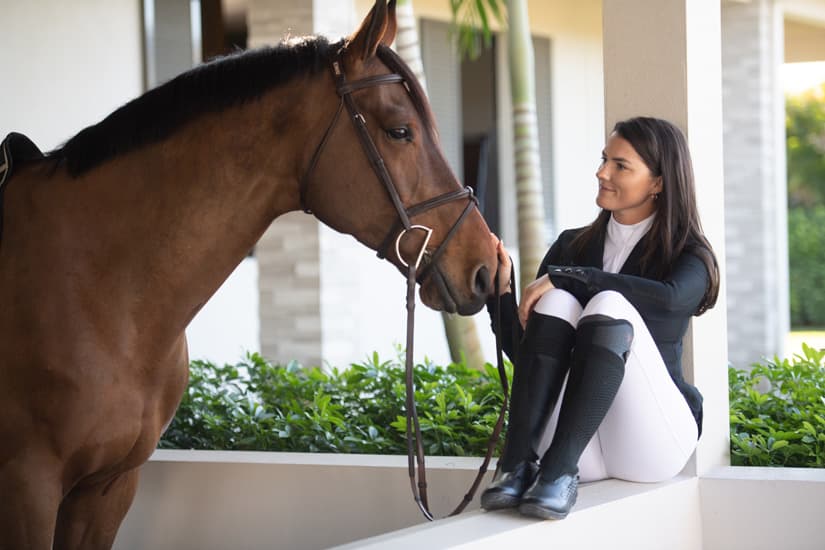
x: 612, y: 304
x: 559, y: 303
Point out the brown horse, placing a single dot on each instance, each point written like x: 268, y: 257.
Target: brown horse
x: 111, y: 244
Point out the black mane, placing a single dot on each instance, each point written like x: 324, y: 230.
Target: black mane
x: 211, y: 87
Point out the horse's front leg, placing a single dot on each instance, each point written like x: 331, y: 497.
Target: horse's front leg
x: 30, y: 494
x: 90, y: 515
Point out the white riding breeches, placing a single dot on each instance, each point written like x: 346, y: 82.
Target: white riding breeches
x: 649, y: 433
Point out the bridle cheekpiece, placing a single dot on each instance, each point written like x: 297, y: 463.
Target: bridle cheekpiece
x: 415, y: 273
x: 403, y: 224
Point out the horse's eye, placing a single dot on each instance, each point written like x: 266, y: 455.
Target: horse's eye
x: 402, y: 133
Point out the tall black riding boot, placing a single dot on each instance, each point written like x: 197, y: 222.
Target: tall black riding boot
x: 597, y: 370
x: 542, y: 362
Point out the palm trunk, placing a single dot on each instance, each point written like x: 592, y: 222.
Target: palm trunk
x: 462, y: 336
x: 530, y: 201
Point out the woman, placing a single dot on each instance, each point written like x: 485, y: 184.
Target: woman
x: 604, y: 320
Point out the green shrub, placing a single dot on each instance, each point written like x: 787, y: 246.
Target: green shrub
x: 806, y: 254
x: 259, y: 406
x: 777, y: 409
x: 805, y: 143
x: 778, y: 412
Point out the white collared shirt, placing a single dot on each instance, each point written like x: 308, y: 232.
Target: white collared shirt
x: 620, y: 240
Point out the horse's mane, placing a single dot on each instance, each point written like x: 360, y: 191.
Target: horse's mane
x: 210, y: 87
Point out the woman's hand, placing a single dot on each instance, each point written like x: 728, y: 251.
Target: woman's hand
x: 532, y: 293
x: 505, y: 268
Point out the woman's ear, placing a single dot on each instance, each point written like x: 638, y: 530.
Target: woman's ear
x: 657, y: 185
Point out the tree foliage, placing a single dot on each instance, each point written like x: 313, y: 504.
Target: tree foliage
x: 472, y: 21
x: 805, y: 126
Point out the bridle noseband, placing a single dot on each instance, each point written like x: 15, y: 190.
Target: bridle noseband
x: 401, y: 227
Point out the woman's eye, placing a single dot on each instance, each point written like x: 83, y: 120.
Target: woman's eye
x: 620, y: 167
x: 400, y: 133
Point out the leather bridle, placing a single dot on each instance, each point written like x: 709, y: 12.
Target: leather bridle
x: 401, y: 227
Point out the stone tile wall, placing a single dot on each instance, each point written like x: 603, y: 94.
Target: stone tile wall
x: 755, y: 188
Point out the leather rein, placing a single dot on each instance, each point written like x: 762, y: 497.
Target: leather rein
x: 415, y: 445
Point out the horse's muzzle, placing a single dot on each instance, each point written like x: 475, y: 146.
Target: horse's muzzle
x: 439, y: 294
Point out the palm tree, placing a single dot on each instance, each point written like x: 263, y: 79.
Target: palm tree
x: 462, y: 335
x: 472, y: 19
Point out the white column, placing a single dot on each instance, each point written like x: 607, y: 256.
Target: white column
x: 290, y: 282
x: 756, y: 222
x: 172, y: 41
x: 662, y: 58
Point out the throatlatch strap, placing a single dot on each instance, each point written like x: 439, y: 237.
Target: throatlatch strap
x: 304, y: 184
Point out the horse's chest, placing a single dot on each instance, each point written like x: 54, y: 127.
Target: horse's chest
x: 100, y: 414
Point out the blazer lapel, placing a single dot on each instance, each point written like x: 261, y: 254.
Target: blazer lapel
x: 594, y: 253
x: 632, y: 265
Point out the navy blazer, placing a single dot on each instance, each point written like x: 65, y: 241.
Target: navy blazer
x: 666, y: 306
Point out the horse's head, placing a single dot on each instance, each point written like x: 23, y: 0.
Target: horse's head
x: 378, y: 168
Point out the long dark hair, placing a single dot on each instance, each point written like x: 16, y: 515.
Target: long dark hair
x: 676, y: 227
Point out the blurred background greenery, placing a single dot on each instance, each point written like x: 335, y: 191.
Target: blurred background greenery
x: 805, y: 127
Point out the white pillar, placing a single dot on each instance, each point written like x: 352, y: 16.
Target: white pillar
x: 756, y: 221
x: 172, y: 40
x: 662, y: 58
x: 290, y: 252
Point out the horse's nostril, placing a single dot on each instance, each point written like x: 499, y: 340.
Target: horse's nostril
x: 482, y: 284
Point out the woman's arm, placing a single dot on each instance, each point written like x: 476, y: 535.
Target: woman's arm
x: 680, y: 293
x: 511, y: 330
x: 511, y: 327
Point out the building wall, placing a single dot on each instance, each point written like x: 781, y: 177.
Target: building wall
x: 66, y: 65
x: 289, y: 252
x: 804, y: 40
x: 755, y: 188
x: 170, y: 44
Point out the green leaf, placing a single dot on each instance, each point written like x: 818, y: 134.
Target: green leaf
x: 779, y: 444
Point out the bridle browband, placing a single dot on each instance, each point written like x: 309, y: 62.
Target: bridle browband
x: 403, y: 225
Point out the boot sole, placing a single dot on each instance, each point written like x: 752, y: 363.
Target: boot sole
x: 536, y: 510
x: 499, y: 501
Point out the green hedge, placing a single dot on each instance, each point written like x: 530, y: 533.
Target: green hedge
x: 777, y: 409
x: 259, y: 406
x: 806, y: 253
x: 778, y: 412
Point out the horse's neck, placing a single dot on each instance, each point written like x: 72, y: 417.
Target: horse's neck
x: 199, y: 201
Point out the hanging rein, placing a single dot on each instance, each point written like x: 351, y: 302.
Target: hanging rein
x: 415, y: 273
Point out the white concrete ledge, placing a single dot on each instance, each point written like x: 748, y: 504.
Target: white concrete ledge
x: 609, y: 514
x: 305, y: 501
x: 759, y: 473
x: 763, y: 508
x: 218, y: 500
x: 316, y: 459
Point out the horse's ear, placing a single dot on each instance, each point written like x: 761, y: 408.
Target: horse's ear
x: 392, y: 25
x: 378, y: 27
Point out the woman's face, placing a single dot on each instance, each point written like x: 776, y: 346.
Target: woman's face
x: 626, y: 186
